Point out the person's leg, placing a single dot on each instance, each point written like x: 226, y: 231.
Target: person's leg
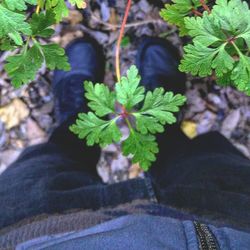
x: 61, y: 174
x: 206, y: 175
x: 157, y: 61
x: 33, y: 183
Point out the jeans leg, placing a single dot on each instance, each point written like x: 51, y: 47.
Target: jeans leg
x: 32, y: 184
x: 76, y: 149
x: 210, y: 177
x: 173, y: 143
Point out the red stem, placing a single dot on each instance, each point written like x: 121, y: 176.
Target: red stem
x: 117, y: 53
x: 205, y: 6
x: 196, y: 12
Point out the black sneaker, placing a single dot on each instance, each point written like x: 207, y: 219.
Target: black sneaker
x: 87, y: 63
x: 157, y: 61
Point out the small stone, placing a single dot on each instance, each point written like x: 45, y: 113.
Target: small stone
x: 206, y: 122
x: 103, y: 169
x: 110, y: 148
x: 14, y: 113
x: 7, y: 157
x: 3, y: 135
x: 35, y: 134
x: 230, y: 123
x: 44, y: 121
x: 120, y: 163
x: 195, y: 102
x: 243, y: 149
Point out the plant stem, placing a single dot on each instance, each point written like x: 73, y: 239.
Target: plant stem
x: 37, y: 9
x: 129, y: 125
x: 236, y: 48
x: 196, y: 12
x: 26, y: 45
x: 205, y: 6
x: 117, y: 54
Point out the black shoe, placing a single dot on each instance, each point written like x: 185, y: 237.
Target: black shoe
x: 157, y: 61
x: 87, y: 63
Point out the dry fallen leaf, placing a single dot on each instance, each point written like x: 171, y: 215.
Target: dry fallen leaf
x: 14, y: 113
x: 189, y: 128
x: 134, y: 171
x: 113, y: 17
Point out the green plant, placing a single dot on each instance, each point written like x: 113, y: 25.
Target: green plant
x: 220, y: 39
x: 20, y: 32
x: 144, y: 113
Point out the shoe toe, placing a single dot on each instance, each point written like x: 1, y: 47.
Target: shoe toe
x: 157, y: 61
x: 86, y: 58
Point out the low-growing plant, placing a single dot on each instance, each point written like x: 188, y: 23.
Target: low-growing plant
x: 144, y: 113
x: 220, y: 36
x: 20, y: 32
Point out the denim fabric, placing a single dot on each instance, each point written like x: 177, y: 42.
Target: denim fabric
x: 139, y: 232
x: 128, y: 232
x: 58, y: 176
x: 204, y: 176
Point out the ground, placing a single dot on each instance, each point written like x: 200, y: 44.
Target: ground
x: 27, y: 114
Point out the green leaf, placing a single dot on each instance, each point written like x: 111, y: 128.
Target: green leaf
x: 79, y: 3
x: 12, y: 24
x: 102, y: 101
x: 19, y: 4
x: 176, y: 12
x: 40, y: 24
x: 158, y: 110
x: 55, y: 57
x: 223, y: 62
x: 96, y: 130
x: 125, y: 41
x: 59, y: 7
x: 204, y: 30
x: 197, y: 59
x: 233, y: 15
x: 241, y: 73
x: 148, y: 124
x: 142, y: 147
x: 7, y: 44
x: 128, y: 92
x: 16, y: 37
x: 22, y: 68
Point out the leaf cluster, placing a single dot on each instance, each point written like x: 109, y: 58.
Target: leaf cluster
x: 144, y: 113
x: 176, y: 12
x: 22, y: 32
x: 220, y: 43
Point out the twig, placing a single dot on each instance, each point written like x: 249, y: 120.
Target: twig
x: 129, y: 25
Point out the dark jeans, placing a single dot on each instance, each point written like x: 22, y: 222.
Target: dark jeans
x: 206, y: 175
